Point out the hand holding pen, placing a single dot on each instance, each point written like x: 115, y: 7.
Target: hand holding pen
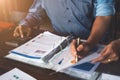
x: 79, y: 49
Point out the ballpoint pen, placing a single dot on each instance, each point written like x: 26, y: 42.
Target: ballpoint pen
x: 78, y: 42
x: 76, y: 56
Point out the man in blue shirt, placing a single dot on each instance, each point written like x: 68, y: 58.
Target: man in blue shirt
x: 88, y: 19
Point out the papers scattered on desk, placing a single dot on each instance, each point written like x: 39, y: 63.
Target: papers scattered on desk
x: 16, y: 74
x: 40, y: 51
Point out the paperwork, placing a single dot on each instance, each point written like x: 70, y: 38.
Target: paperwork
x: 40, y: 51
x: 39, y: 46
x: 16, y: 74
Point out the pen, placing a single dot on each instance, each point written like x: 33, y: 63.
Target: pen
x: 76, y: 56
x: 78, y: 42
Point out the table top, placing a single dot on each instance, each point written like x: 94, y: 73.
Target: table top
x: 40, y: 73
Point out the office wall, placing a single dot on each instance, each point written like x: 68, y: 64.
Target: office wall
x: 8, y: 6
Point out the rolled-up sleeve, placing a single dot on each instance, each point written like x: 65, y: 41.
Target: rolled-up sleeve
x: 105, y: 7
x: 34, y: 15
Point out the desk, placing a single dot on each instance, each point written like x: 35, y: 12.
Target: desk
x: 44, y: 74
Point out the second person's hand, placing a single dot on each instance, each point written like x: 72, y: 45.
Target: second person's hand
x: 110, y: 53
x: 21, y: 31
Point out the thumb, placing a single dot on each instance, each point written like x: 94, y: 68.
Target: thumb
x: 80, y: 47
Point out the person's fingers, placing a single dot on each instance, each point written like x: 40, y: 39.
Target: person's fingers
x: 21, y: 32
x: 104, y: 52
x: 28, y: 32
x: 80, y: 51
x: 110, y: 60
x: 73, y: 47
x: 98, y: 59
x: 80, y: 47
x: 16, y: 33
x: 112, y: 57
x: 102, y: 56
x: 75, y: 60
x: 106, y: 57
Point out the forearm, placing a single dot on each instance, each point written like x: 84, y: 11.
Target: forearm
x: 99, y: 28
x: 30, y: 20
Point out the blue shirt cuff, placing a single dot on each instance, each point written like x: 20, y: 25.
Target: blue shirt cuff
x: 105, y: 10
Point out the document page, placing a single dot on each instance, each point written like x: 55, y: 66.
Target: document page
x: 85, y: 64
x: 39, y: 46
x: 62, y: 59
x: 16, y: 74
x: 82, y: 69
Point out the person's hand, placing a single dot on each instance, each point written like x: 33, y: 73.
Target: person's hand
x: 79, y: 51
x: 21, y: 31
x: 110, y: 53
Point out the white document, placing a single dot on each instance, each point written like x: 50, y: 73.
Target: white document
x: 39, y: 46
x: 62, y: 59
x: 16, y: 74
x: 83, y: 68
x: 105, y: 76
x: 34, y: 50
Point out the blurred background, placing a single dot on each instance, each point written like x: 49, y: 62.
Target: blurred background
x: 10, y: 8
x: 12, y: 11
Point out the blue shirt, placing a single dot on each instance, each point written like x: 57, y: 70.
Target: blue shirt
x: 67, y: 17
